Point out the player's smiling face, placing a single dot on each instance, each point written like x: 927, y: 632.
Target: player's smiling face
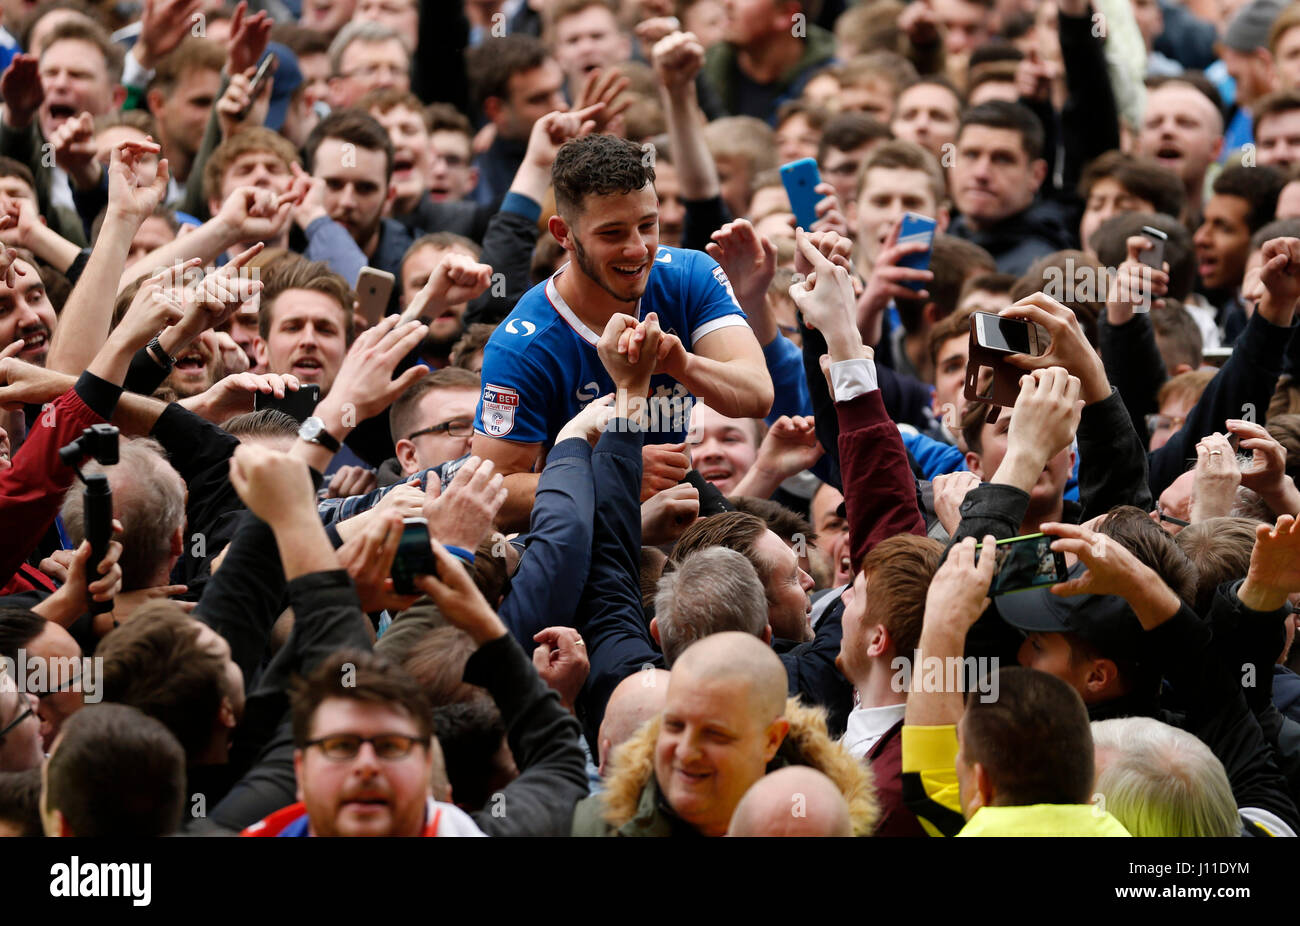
x: 615, y: 239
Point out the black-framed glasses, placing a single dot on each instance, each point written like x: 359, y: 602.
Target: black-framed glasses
x: 23, y: 714
x: 1169, y: 518
x: 389, y: 747
x: 457, y: 427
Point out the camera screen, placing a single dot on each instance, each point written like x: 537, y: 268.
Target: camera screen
x: 1005, y: 334
x: 1025, y: 563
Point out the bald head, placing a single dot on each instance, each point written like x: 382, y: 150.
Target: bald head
x: 792, y: 801
x: 637, y: 698
x: 733, y: 655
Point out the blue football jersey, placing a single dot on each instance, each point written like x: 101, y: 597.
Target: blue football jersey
x: 540, y: 366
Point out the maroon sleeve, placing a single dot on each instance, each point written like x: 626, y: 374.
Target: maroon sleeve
x: 32, y: 489
x: 879, y: 491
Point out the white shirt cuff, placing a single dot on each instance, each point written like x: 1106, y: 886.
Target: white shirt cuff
x: 135, y: 74
x: 852, y: 378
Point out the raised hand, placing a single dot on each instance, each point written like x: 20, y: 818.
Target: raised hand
x: 1266, y: 472
x: 1280, y: 275
x: 604, y: 86
x: 25, y: 384
x: 249, y: 36
x: 9, y: 269
x: 561, y: 661
x: 368, y: 557
x: 351, y: 480
x: 235, y: 394
x: 1112, y: 570
x: 1069, y: 348
x: 551, y: 131
x: 222, y: 293
x: 154, y: 308
x: 950, y: 490
x: 831, y: 245
x: 163, y: 26
x: 75, y: 150
x: 239, y: 106
x: 1135, y: 286
x: 456, y: 280
x: 667, y: 513
x: 590, y: 421
x: 365, y: 380
x: 1046, y: 414
x: 1215, y: 487
x: 825, y: 295
x: 251, y: 214
x: 919, y: 22
x: 275, y: 486
x: 310, y: 204
x: 134, y: 188
x: 1274, y: 566
x: 22, y: 90
x: 887, y: 278
x: 748, y: 259
x: 830, y: 214
x: 790, y: 446
x: 662, y: 467
x: 458, y: 598
x: 620, y: 350
x: 461, y: 515
x: 678, y: 59
x: 959, y: 591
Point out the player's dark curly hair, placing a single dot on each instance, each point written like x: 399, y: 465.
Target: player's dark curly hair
x: 599, y: 164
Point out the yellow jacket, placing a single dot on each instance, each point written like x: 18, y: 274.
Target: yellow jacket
x: 931, y: 791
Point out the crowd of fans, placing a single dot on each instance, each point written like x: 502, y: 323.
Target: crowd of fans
x: 632, y: 508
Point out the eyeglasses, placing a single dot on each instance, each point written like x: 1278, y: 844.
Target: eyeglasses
x: 374, y: 70
x: 457, y: 427
x: 389, y: 747
x: 1160, y: 515
x: 1156, y: 422
x: 22, y: 715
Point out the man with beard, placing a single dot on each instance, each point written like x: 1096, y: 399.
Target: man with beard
x: 26, y: 313
x: 541, y: 364
x: 352, y: 154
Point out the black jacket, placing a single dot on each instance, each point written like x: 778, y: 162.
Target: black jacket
x: 1019, y: 240
x: 543, y: 738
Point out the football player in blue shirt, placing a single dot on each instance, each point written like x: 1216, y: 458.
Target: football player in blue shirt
x: 540, y: 366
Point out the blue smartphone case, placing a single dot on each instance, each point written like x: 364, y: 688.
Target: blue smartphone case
x: 916, y: 228
x: 801, y: 178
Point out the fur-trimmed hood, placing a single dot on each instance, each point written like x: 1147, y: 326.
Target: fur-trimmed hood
x: 807, y: 743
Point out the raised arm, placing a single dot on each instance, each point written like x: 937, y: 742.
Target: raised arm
x: 879, y: 489
x: 133, y: 194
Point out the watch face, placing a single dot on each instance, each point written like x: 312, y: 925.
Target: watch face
x: 310, y: 429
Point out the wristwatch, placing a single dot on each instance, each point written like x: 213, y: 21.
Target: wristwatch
x: 160, y: 356
x: 313, y: 432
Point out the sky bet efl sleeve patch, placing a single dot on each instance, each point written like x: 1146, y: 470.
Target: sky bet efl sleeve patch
x: 499, y: 407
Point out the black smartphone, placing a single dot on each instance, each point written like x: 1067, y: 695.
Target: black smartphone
x: 414, y: 556
x: 1026, y: 562
x: 298, y: 405
x: 1154, y: 256
x: 1005, y: 335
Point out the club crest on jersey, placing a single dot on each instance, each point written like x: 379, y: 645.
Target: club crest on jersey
x: 721, y: 276
x: 519, y: 326
x: 499, y: 406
